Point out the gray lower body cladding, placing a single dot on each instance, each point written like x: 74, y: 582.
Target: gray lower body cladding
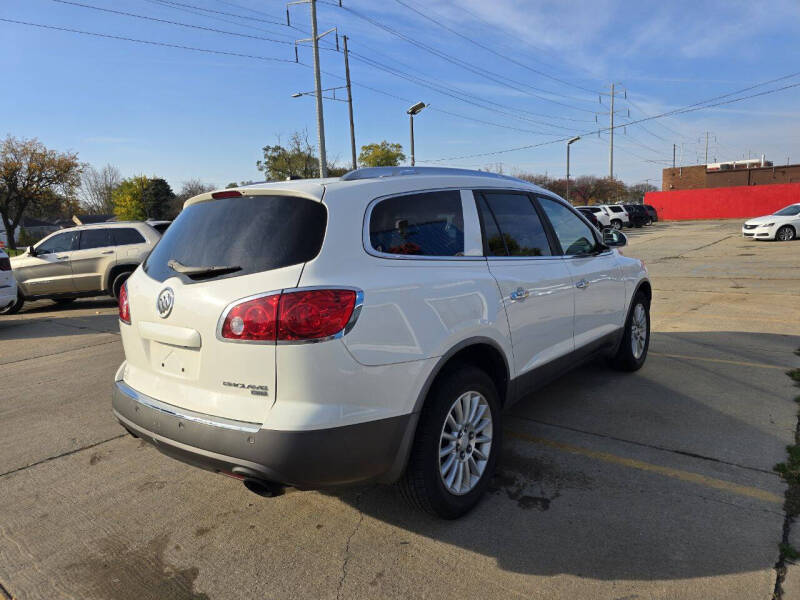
x: 371, y: 451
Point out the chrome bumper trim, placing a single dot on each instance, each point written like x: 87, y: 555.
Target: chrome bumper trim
x: 183, y: 413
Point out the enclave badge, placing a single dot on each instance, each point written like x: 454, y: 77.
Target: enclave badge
x: 166, y: 299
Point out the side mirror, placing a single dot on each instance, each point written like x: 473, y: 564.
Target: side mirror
x: 614, y: 238
x: 31, y: 251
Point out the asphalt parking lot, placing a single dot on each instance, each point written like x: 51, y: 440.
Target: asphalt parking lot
x: 657, y: 484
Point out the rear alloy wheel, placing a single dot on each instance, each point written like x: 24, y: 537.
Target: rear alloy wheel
x: 785, y: 234
x: 616, y: 224
x: 456, y: 445
x: 14, y: 308
x: 632, y: 351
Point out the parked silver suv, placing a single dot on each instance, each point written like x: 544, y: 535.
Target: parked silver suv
x: 82, y: 261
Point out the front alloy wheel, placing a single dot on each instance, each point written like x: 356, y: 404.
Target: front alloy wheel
x: 465, y: 443
x: 785, y: 233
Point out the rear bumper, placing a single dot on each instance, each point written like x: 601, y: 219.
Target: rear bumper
x: 371, y: 451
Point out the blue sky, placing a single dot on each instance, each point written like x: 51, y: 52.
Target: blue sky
x: 183, y: 114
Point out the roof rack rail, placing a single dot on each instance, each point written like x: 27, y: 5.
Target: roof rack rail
x: 376, y: 172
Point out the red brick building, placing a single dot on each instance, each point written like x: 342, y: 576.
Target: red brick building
x: 707, y: 176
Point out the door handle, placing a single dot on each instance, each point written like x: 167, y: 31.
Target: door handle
x: 582, y: 284
x: 107, y: 252
x: 62, y: 257
x: 519, y: 294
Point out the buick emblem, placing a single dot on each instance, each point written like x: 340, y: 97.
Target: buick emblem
x: 166, y: 299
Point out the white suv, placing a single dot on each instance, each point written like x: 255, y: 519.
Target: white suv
x: 367, y: 328
x: 8, y: 285
x: 617, y: 215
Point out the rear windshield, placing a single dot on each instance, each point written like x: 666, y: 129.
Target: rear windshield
x: 247, y: 235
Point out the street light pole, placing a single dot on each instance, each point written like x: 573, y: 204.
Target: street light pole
x: 414, y: 110
x: 569, y: 143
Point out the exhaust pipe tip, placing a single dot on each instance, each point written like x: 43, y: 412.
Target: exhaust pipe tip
x: 266, y: 489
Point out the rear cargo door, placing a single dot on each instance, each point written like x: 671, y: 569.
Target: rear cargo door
x: 174, y: 349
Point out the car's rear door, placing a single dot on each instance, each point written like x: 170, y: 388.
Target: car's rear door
x: 596, y: 275
x: 95, y: 251
x: 534, y: 281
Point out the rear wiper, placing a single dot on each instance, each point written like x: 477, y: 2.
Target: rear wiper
x: 200, y: 272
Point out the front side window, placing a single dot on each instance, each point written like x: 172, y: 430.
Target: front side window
x: 63, y: 242
x: 424, y: 224
x: 575, y: 236
x: 512, y: 226
x: 125, y: 235
x: 95, y: 238
x: 789, y: 211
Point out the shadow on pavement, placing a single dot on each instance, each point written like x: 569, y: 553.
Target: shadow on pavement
x: 551, y: 512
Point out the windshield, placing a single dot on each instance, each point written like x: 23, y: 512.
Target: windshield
x: 789, y: 211
x: 238, y: 236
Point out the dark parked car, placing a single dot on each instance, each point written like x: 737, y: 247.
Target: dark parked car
x: 637, y: 214
x: 652, y: 212
x: 589, y: 214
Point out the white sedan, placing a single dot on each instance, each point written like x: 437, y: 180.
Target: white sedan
x: 8, y: 285
x: 783, y: 225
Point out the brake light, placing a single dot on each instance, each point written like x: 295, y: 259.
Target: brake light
x: 5, y: 264
x: 314, y: 314
x: 252, y: 320
x: 227, y: 194
x: 124, y: 305
x: 290, y: 316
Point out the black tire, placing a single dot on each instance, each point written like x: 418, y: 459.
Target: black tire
x: 63, y: 301
x: 616, y: 224
x: 421, y: 484
x: 14, y: 308
x: 116, y: 286
x: 785, y: 234
x: 625, y: 359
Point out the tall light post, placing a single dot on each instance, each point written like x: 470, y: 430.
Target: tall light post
x: 414, y: 110
x: 569, y: 143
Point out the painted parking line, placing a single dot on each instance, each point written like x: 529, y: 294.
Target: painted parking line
x: 739, y: 363
x: 688, y: 476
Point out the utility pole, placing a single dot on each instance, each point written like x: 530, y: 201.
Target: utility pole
x: 314, y: 39
x: 611, y: 127
x: 673, y: 155
x: 350, y: 104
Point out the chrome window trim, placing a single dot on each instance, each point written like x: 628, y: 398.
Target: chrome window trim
x: 189, y: 415
x: 367, y: 243
x: 338, y: 335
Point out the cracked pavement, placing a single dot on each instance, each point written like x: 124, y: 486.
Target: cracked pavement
x: 652, y: 485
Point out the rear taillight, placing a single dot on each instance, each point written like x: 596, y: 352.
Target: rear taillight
x: 253, y: 320
x: 5, y: 264
x: 124, y: 305
x: 294, y: 316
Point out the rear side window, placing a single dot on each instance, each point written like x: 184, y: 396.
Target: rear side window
x: 95, y: 238
x: 512, y: 226
x: 616, y: 209
x: 127, y: 235
x: 426, y: 224
x: 251, y: 234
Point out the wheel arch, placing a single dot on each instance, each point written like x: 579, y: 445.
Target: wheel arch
x: 116, y: 270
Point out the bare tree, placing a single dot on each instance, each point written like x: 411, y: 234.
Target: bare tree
x: 190, y: 189
x: 97, y: 185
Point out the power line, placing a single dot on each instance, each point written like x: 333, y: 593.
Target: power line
x: 690, y: 108
x: 176, y: 23
x: 219, y: 12
x: 496, y: 53
x: 149, y: 42
x: 463, y: 64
